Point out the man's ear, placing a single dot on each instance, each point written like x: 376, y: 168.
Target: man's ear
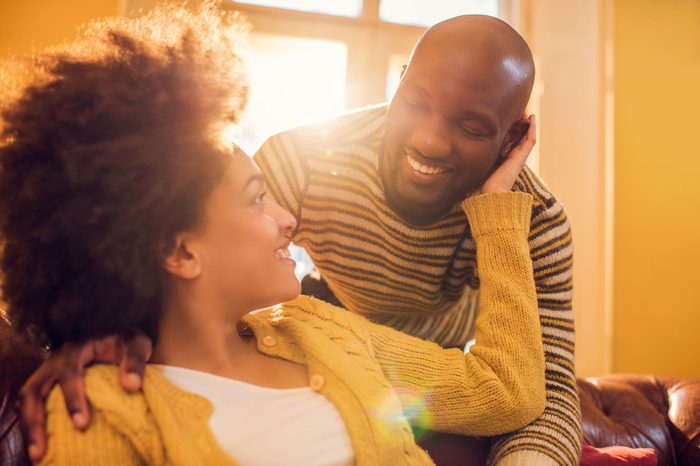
x: 181, y: 260
x: 403, y: 71
x: 516, y: 132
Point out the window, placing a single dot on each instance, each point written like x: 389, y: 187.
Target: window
x: 331, y: 7
x: 422, y: 13
x: 376, y: 37
x: 393, y: 75
x: 293, y: 81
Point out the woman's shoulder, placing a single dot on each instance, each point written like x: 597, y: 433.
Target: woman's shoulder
x: 105, y: 395
x: 313, y: 309
x: 120, y: 425
x: 309, y: 312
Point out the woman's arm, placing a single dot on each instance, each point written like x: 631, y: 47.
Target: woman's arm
x: 498, y: 386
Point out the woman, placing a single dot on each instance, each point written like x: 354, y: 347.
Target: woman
x: 121, y: 211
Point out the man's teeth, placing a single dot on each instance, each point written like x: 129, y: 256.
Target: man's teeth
x: 424, y: 169
x: 282, y: 253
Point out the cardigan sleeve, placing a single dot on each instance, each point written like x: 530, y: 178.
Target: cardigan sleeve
x: 498, y: 385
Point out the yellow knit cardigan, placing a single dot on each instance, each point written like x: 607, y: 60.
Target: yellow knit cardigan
x: 379, y: 379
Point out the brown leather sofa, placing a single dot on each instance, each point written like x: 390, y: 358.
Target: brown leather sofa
x: 628, y: 410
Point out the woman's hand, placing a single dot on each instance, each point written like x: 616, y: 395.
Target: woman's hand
x: 503, y: 178
x: 67, y: 367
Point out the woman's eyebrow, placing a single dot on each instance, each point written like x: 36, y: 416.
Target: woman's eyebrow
x: 258, y: 177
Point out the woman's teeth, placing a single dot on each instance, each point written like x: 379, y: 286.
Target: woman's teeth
x: 282, y: 253
x: 424, y: 169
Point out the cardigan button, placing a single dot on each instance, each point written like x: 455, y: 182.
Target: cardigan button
x: 317, y: 382
x: 269, y: 341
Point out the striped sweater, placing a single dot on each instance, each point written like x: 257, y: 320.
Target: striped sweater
x: 423, y: 279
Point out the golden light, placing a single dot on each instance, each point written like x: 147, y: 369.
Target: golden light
x: 292, y: 82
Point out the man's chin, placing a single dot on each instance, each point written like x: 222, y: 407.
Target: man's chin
x: 417, y: 205
x: 417, y: 213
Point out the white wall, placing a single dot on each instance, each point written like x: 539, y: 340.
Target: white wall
x: 569, y: 39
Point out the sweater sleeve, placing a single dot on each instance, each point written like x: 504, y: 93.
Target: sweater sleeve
x: 554, y: 438
x: 498, y: 386
x: 99, y: 444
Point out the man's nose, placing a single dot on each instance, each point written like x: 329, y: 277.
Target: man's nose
x: 431, y: 138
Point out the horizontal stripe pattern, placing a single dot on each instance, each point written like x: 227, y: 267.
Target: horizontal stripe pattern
x: 422, y: 280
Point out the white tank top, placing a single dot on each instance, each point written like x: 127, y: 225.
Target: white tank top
x: 260, y: 426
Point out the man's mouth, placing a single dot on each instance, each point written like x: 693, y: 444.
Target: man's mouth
x: 423, y: 168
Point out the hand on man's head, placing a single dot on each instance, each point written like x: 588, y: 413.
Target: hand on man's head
x: 506, y: 172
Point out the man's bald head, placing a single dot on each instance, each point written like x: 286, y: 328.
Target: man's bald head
x: 457, y: 112
x: 484, y: 41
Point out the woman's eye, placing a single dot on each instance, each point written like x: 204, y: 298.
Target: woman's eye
x: 260, y: 198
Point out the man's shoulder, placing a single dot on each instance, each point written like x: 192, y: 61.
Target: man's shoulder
x: 548, y: 219
x: 354, y: 126
x: 529, y: 182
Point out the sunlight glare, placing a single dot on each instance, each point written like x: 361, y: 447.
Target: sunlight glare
x: 292, y: 82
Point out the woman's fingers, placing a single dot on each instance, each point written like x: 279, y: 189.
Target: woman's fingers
x: 503, y: 178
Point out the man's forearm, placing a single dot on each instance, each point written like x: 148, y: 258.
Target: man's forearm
x: 556, y: 435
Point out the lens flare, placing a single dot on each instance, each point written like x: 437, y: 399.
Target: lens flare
x: 401, y: 406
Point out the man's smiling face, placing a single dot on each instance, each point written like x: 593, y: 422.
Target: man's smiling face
x: 453, y: 116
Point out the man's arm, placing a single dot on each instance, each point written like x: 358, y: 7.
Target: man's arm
x: 554, y: 438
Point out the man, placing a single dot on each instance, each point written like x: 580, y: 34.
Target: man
x: 376, y: 195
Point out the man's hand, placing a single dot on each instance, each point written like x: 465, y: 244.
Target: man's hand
x: 67, y: 367
x: 503, y: 178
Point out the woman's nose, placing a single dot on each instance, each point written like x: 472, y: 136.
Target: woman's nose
x: 286, y: 221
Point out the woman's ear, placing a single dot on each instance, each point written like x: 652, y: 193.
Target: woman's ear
x: 182, y: 260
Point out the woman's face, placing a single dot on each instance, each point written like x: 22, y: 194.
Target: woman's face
x: 242, y: 242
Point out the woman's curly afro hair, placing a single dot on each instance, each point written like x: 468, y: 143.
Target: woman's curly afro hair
x: 108, y: 150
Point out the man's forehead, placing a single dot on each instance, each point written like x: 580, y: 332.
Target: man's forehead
x: 460, y: 76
